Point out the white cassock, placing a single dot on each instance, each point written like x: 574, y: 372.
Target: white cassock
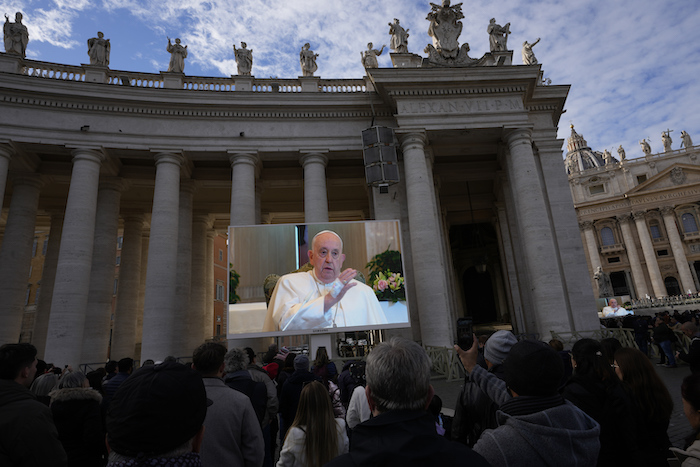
x: 297, y: 304
x: 610, y: 312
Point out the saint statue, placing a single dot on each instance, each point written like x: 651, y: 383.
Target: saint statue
x: 399, y: 37
x: 369, y: 56
x: 604, y: 284
x: 178, y: 53
x: 607, y: 157
x: 16, y: 36
x: 686, y: 140
x: 98, y: 50
x: 528, y: 54
x: 498, y: 36
x: 621, y: 153
x: 307, y: 59
x: 445, y: 27
x: 244, y: 59
x: 646, y: 149
x: 666, y: 140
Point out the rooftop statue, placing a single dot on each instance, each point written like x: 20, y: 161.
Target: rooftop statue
x: 498, y: 36
x: 666, y: 140
x: 98, y: 50
x: 244, y: 59
x: 621, y: 153
x: 307, y: 59
x: 369, y: 56
x: 646, y: 149
x: 686, y: 140
x: 178, y: 53
x: 399, y: 37
x: 607, y: 157
x: 528, y: 55
x: 445, y: 27
x: 16, y: 36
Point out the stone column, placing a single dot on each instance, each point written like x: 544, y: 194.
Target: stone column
x: 130, y: 273
x: 536, y: 234
x: 145, y: 240
x: 243, y: 167
x: 16, y: 253
x: 640, y: 284
x: 5, y: 156
x: 198, y: 295
x: 183, y: 284
x: 72, y: 285
x: 591, y: 245
x: 315, y: 194
x: 510, y: 272
x: 209, y: 310
x: 687, y: 283
x: 430, y: 280
x: 657, y: 282
x: 48, y: 276
x: 161, y: 276
x: 99, y: 308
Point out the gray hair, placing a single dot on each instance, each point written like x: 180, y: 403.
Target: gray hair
x: 398, y: 375
x: 44, y: 384
x: 236, y: 360
x: 74, y: 379
x: 690, y: 326
x: 313, y: 240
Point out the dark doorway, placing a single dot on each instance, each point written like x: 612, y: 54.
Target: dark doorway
x: 478, y: 296
x: 672, y: 287
x: 618, y: 280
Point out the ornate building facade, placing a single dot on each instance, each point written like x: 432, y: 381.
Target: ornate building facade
x: 171, y: 160
x: 638, y: 218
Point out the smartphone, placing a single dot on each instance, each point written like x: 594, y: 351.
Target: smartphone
x: 465, y: 333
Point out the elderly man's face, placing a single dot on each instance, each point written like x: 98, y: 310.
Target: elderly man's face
x: 327, y: 257
x: 613, y: 303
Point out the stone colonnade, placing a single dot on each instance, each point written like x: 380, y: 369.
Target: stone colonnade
x: 639, y: 219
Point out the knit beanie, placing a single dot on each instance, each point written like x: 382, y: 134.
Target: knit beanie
x: 533, y: 368
x: 301, y: 362
x: 498, y: 345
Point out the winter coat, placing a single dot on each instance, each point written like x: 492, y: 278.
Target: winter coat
x: 76, y: 412
x: 291, y: 392
x: 690, y: 457
x: 404, y: 438
x: 256, y: 391
x: 475, y: 411
x: 693, y: 355
x: 25, y: 426
x: 558, y: 435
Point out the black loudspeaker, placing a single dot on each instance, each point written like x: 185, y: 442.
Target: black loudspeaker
x: 379, y: 153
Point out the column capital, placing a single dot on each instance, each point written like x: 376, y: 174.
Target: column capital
x: 133, y: 217
x: 203, y: 218
x: 585, y: 225
x: 311, y: 157
x: 517, y: 135
x: 90, y: 154
x: 412, y: 138
x: 27, y: 178
x: 170, y: 157
x: 243, y: 157
x: 641, y: 214
x: 667, y: 210
x: 624, y: 218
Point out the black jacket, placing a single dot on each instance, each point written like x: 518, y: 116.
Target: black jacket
x: 28, y: 436
x: 404, y: 438
x: 693, y: 356
x: 76, y: 412
x: 291, y: 392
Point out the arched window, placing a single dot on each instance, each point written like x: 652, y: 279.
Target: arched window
x: 606, y: 236
x: 655, y: 229
x: 672, y: 286
x: 689, y: 223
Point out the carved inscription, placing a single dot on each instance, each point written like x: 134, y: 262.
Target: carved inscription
x: 460, y: 106
x: 664, y: 196
x: 609, y: 207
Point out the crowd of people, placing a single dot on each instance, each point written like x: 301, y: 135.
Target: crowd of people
x: 522, y: 403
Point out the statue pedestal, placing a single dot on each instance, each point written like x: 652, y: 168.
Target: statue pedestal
x: 503, y: 58
x: 406, y: 60
x: 95, y: 73
x: 309, y: 83
x: 173, y: 80
x: 242, y: 83
x: 10, y: 63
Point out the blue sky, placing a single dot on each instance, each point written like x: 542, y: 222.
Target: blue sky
x: 633, y: 64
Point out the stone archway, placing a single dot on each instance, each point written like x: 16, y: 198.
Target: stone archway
x: 672, y: 286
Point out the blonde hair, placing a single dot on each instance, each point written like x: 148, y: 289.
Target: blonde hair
x: 315, y: 415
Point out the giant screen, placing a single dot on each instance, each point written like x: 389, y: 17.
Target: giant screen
x: 274, y: 289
